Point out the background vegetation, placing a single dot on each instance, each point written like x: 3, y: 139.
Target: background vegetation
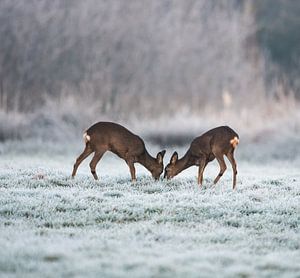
x: 66, y: 64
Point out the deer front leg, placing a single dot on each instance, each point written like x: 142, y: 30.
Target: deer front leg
x: 132, y: 170
x: 202, y: 166
x: 223, y: 167
x: 234, y: 168
x: 94, y: 163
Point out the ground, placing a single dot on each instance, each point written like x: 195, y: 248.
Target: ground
x: 53, y: 226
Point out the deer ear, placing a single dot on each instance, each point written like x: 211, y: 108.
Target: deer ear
x: 174, y: 158
x: 160, y: 156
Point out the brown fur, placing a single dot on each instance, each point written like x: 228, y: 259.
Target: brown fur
x: 107, y: 136
x: 215, y: 143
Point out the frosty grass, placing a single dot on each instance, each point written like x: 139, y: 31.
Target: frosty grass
x: 53, y: 226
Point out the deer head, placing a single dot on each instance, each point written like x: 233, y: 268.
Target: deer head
x: 158, y: 167
x: 171, y: 169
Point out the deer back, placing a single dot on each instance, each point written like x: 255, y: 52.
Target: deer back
x: 115, y: 138
x: 220, y: 139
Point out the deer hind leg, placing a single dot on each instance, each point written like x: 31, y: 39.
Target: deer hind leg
x: 87, y: 151
x: 234, y: 168
x: 223, y: 167
x: 132, y: 170
x: 94, y: 162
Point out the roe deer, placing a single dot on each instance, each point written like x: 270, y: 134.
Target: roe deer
x: 106, y: 136
x: 215, y: 143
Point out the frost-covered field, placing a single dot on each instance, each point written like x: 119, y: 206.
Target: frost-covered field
x: 52, y: 226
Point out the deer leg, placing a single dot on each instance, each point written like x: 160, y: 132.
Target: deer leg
x: 132, y: 170
x: 234, y: 168
x: 202, y: 166
x: 87, y: 151
x: 223, y: 167
x: 94, y: 163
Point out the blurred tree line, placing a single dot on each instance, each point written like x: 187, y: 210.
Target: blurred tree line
x: 148, y: 55
x: 278, y: 25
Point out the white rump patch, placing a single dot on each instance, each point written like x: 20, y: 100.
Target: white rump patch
x: 234, y: 142
x: 86, y: 137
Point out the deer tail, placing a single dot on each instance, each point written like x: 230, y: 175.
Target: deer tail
x: 234, y: 142
x: 86, y: 138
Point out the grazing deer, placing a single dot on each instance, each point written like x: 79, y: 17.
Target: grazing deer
x: 215, y: 143
x: 106, y: 136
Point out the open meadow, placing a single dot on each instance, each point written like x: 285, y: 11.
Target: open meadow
x: 53, y: 226
x: 168, y: 71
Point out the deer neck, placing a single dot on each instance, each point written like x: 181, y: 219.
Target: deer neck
x: 184, y: 162
x: 148, y: 161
